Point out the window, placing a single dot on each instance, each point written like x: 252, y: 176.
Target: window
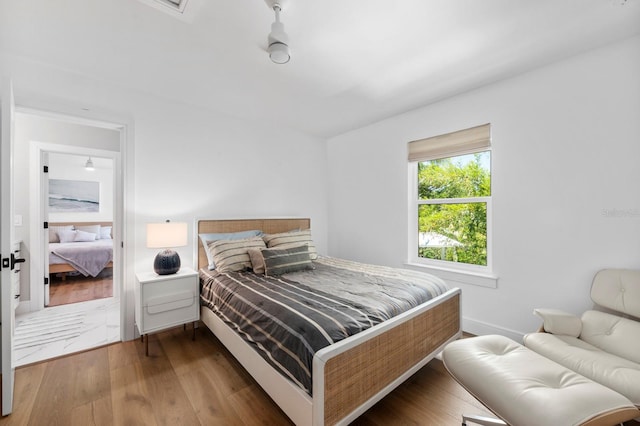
x: 451, y: 202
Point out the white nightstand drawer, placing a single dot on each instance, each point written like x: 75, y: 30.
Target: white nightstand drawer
x: 163, y: 286
x: 170, y: 302
x: 179, y: 310
x: 164, y: 301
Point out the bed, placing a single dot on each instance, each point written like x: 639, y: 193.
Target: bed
x: 84, y: 255
x: 353, y: 374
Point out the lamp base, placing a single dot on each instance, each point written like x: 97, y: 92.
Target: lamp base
x: 167, y: 262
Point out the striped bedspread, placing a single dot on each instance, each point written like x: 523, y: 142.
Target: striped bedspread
x: 288, y: 319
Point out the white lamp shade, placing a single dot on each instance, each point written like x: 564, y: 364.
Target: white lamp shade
x: 167, y: 234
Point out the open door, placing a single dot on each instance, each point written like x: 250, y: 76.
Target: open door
x: 7, y: 314
x: 44, y: 213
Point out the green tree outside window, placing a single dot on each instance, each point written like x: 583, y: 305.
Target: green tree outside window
x: 452, y: 214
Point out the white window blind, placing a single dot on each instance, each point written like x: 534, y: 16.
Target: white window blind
x: 465, y: 141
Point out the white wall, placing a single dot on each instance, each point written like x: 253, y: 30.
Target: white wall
x: 565, y: 141
x: 30, y: 130
x: 72, y: 167
x: 565, y: 183
x: 193, y: 164
x: 186, y: 162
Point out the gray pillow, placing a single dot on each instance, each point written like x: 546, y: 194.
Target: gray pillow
x: 285, y: 260
x: 291, y: 239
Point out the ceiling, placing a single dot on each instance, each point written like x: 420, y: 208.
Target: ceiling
x: 354, y: 62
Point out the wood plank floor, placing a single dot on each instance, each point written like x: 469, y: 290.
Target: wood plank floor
x: 74, y: 289
x: 185, y: 382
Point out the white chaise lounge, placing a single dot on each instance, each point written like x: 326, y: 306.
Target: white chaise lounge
x: 604, y: 344
x: 524, y: 388
x: 574, y: 371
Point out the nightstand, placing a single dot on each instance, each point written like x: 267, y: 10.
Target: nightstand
x: 164, y: 301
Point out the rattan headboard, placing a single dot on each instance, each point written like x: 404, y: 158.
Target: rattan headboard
x: 268, y: 226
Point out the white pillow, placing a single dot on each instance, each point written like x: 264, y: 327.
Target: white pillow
x: 94, y: 229
x: 55, y: 229
x: 105, y: 233
x: 82, y: 236
x: 66, y: 236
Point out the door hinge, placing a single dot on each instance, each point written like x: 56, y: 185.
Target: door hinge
x: 46, y: 225
x: 6, y: 262
x: 45, y: 169
x: 46, y: 280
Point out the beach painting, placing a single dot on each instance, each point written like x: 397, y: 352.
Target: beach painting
x: 74, y: 196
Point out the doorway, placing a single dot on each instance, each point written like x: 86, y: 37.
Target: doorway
x: 79, y: 206
x: 81, y: 316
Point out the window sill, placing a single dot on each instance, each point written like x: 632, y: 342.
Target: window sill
x: 457, y: 276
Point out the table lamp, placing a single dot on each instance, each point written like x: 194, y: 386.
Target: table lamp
x: 166, y: 235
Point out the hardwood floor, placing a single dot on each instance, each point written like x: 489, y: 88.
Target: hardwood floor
x: 74, y: 289
x: 185, y: 382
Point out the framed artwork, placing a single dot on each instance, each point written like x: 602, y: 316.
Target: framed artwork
x: 74, y: 196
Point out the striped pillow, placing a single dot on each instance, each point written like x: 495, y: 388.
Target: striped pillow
x: 232, y: 255
x: 292, y: 239
x: 284, y: 260
x: 209, y: 238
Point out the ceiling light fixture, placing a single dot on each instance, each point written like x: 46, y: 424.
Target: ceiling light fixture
x: 89, y: 165
x: 278, y: 39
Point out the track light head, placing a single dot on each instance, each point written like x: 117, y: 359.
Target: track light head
x: 278, y: 39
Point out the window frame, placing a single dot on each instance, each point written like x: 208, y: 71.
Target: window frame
x: 413, y: 232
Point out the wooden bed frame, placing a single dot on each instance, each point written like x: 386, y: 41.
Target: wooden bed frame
x: 352, y: 375
x: 57, y: 268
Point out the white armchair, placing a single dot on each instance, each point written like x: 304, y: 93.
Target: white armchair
x: 604, y: 344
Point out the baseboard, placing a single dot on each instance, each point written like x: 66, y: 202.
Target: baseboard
x: 23, y: 307
x: 482, y: 328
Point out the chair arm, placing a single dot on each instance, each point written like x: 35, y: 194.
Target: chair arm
x: 560, y: 322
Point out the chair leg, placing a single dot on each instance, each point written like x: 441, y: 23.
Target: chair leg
x: 481, y: 420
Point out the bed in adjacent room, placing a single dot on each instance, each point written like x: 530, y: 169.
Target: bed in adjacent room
x: 316, y: 332
x: 82, y: 247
